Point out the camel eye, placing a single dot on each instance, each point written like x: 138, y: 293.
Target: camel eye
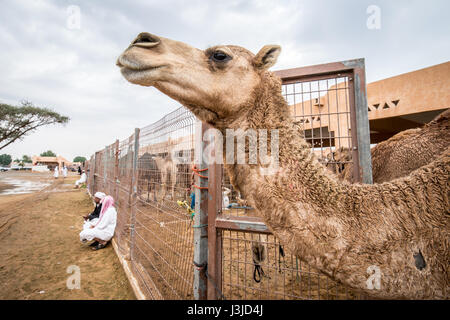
x: 219, y: 56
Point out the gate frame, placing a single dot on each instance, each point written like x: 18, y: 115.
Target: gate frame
x: 359, y: 113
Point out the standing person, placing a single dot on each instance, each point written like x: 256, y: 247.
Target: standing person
x: 103, y: 230
x: 56, y: 174
x: 79, y: 170
x: 64, y: 171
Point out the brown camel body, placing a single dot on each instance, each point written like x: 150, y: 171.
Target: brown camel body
x: 400, y: 228
x: 401, y: 154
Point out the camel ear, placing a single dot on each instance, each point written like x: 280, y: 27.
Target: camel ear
x: 267, y: 57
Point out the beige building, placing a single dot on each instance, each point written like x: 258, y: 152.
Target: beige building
x: 51, y: 162
x: 395, y: 104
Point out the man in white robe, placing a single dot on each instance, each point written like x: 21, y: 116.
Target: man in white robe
x: 56, y: 174
x: 103, y: 230
x: 64, y: 172
x: 92, y: 218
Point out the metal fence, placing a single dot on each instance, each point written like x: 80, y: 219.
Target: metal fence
x: 152, y: 178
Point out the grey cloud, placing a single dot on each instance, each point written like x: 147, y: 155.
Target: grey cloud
x: 73, y: 71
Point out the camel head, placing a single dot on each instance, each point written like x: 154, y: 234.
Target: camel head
x: 215, y: 84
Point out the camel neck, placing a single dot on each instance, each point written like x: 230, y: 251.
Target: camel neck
x: 301, y: 192
x: 301, y: 176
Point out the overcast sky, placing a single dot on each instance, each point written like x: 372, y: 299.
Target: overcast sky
x: 45, y: 58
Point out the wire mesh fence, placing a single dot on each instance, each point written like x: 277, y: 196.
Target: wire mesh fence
x: 257, y: 266
x: 151, y: 177
x: 154, y: 226
x: 163, y: 236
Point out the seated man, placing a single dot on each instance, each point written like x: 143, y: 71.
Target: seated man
x: 103, y: 230
x: 80, y: 181
x: 92, y: 218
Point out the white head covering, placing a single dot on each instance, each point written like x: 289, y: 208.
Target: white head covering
x: 99, y: 195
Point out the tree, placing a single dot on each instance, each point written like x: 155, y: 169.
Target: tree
x: 26, y: 159
x: 48, y: 153
x: 79, y: 159
x: 5, y: 159
x: 18, y: 121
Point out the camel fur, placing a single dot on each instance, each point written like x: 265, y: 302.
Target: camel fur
x: 400, y: 228
x: 401, y: 154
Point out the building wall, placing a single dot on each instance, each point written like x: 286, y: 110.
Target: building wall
x: 395, y: 104
x: 418, y: 91
x: 51, y: 162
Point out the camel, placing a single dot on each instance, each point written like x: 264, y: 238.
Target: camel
x: 401, y: 154
x: 148, y: 175
x: 156, y: 174
x: 388, y: 240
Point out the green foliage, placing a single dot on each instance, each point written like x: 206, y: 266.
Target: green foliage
x: 48, y: 153
x: 79, y: 159
x: 5, y: 159
x: 26, y: 159
x: 18, y: 121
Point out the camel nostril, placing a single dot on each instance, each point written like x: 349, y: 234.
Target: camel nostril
x: 146, y: 40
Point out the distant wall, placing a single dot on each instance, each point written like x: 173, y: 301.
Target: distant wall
x: 40, y: 169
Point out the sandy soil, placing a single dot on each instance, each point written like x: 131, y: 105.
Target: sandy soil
x: 39, y: 241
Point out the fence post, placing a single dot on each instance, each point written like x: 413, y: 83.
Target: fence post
x: 105, y: 165
x: 200, y: 223
x: 360, y: 132
x: 362, y: 121
x: 96, y: 175
x: 133, y: 192
x: 116, y: 170
x: 214, y: 235
x: 92, y: 174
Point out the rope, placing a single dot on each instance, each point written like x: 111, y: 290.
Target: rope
x: 231, y: 206
x: 195, y: 169
x: 281, y: 254
x: 201, y: 188
x: 297, y: 278
x: 258, y: 270
x: 196, y: 172
x: 200, y: 226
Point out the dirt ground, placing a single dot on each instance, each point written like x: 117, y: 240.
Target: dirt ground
x: 39, y: 240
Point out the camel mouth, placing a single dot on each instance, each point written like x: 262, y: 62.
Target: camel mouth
x: 135, y: 70
x: 137, y: 73
x: 129, y: 66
